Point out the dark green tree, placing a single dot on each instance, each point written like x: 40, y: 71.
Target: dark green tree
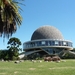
x: 73, y: 50
x: 13, y: 48
x: 9, y: 17
x: 4, y: 54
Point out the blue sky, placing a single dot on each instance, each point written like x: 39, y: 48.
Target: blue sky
x: 36, y: 13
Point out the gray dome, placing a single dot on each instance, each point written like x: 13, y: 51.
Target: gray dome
x: 46, y: 32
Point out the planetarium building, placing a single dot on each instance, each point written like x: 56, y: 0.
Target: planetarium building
x: 46, y: 40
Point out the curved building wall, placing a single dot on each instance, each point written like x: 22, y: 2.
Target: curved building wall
x: 47, y: 43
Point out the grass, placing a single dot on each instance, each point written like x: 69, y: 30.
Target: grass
x: 37, y: 68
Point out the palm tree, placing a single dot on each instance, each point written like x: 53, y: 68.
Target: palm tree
x: 9, y: 17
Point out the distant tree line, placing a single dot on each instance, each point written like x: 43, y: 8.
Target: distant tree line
x: 13, y: 48
x: 12, y: 51
x: 69, y: 55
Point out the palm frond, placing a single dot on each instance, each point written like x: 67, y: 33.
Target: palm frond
x: 10, y: 17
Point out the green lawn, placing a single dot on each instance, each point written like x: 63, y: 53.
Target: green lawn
x: 37, y: 68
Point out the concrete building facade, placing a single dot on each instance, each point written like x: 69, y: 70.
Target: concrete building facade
x: 46, y: 40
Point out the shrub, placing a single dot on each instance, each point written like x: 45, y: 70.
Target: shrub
x: 47, y: 58
x: 56, y: 58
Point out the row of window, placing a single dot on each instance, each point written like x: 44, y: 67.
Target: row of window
x: 47, y: 43
x: 52, y: 50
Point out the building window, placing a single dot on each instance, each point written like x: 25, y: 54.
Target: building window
x: 46, y: 43
x: 64, y: 43
x: 70, y: 44
x: 60, y: 43
x: 56, y: 43
x: 43, y: 42
x: 39, y: 43
x: 35, y: 43
x: 52, y: 43
x: 27, y: 45
x: 49, y: 43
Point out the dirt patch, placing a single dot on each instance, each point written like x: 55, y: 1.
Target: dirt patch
x: 15, y: 72
x: 62, y: 68
x: 32, y: 68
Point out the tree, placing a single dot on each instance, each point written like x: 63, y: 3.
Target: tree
x: 4, y: 54
x: 73, y: 50
x: 13, y: 48
x: 9, y: 17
